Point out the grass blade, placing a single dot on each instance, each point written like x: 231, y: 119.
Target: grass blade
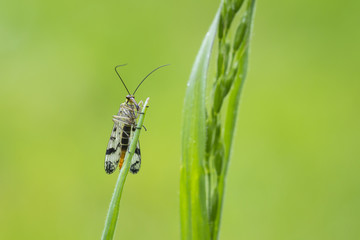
x: 113, y: 212
x: 210, y: 117
x: 193, y: 196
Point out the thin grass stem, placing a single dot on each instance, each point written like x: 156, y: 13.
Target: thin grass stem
x: 113, y: 211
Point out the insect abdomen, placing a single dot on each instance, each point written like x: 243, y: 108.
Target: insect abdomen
x: 125, y: 137
x: 124, y: 143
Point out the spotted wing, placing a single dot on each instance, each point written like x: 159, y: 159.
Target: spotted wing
x: 136, y: 160
x: 113, y: 150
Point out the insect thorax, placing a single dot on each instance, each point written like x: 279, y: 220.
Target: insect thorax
x: 127, y: 114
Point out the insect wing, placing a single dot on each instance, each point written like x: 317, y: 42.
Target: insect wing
x: 136, y: 160
x: 113, y: 150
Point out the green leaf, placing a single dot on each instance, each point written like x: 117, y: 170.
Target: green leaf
x: 193, y: 196
x: 209, y: 119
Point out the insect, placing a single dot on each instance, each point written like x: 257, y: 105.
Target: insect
x: 121, y: 134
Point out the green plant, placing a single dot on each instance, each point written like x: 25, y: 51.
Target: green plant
x: 113, y: 211
x: 209, y: 119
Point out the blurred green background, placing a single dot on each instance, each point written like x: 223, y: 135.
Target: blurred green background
x: 295, y: 167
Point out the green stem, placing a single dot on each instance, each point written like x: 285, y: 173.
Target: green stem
x: 113, y: 212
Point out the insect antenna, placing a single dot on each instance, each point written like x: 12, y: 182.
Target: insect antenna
x: 120, y: 77
x: 149, y: 75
